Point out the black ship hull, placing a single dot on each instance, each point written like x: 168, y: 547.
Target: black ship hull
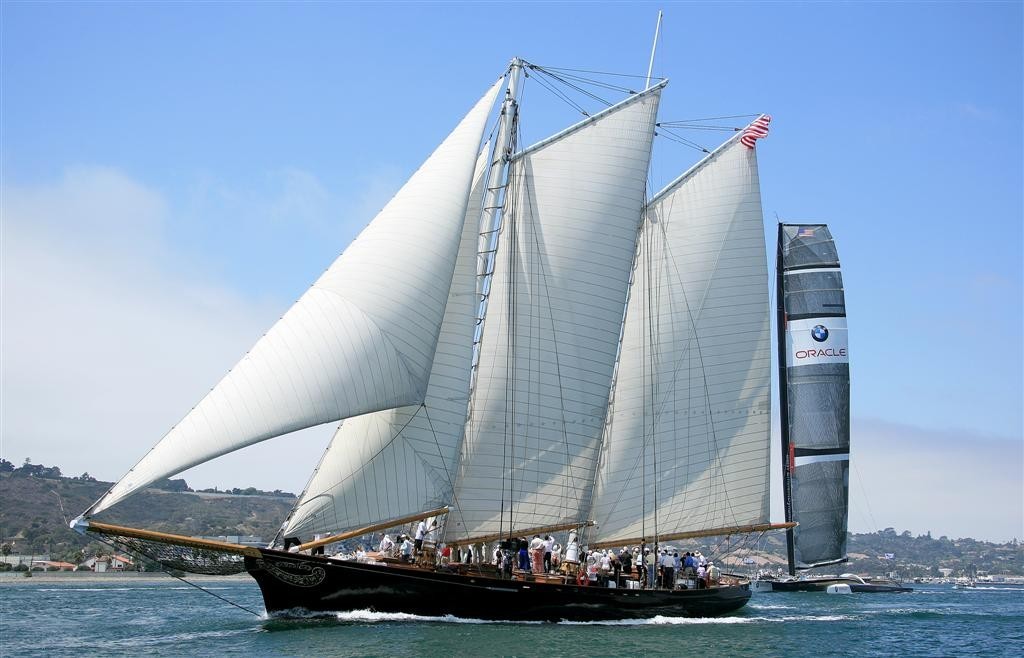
x: 304, y: 583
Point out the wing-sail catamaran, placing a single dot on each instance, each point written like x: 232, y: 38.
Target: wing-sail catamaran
x: 520, y: 342
x: 814, y: 402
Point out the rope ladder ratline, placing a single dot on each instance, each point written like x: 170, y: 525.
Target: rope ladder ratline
x: 120, y: 544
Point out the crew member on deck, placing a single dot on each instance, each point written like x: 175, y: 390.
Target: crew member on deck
x: 421, y: 530
x: 572, y: 548
x: 524, y: 556
x: 668, y: 571
x: 714, y: 574
x: 407, y: 548
x: 537, y: 554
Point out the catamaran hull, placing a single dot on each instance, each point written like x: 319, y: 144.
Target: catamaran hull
x: 822, y: 584
x: 302, y: 583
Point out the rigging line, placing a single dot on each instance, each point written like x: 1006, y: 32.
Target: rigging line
x: 448, y: 475
x: 693, y: 126
x: 620, y: 75
x: 579, y: 89
x: 298, y: 501
x: 366, y: 463
x: 864, y: 493
x: 643, y: 402
x: 651, y: 395
x: 113, y: 544
x: 532, y: 256
x: 731, y: 116
x: 680, y: 138
x: 60, y: 503
x: 598, y: 83
x: 561, y: 95
x: 508, y: 221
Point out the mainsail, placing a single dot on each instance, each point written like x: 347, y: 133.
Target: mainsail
x: 687, y: 440
x: 556, y: 301
x: 361, y: 339
x: 397, y: 462
x: 814, y: 394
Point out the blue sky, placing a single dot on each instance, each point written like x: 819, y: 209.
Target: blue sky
x: 174, y: 175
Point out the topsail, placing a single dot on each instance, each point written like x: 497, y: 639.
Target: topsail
x: 686, y: 443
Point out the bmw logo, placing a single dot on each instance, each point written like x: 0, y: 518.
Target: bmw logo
x: 819, y: 333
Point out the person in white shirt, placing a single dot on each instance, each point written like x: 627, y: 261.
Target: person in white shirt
x: 407, y: 548
x: 668, y: 570
x: 549, y: 545
x: 714, y: 574
x: 421, y: 530
x: 605, y: 565
x: 386, y: 546
x: 572, y: 548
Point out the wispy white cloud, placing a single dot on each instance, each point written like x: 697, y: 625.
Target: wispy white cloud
x: 110, y: 335
x: 972, y: 111
x: 954, y: 483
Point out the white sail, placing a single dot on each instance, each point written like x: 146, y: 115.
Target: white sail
x: 688, y: 429
x: 361, y: 339
x: 557, y: 297
x: 393, y: 463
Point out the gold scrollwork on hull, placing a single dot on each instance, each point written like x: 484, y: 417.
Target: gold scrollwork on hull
x: 312, y: 577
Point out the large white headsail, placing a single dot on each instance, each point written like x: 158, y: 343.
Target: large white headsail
x: 361, y: 339
x: 553, y: 321
x: 394, y: 463
x: 688, y: 430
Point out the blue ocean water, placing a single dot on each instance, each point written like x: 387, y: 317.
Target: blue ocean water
x: 169, y: 618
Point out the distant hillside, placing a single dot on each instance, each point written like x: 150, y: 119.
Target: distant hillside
x: 912, y: 557
x: 32, y: 521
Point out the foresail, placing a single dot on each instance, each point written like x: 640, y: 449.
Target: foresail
x: 687, y: 440
x: 815, y: 392
x: 553, y: 321
x: 361, y: 339
x: 392, y: 463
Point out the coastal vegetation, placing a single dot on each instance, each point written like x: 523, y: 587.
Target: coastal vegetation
x: 36, y: 501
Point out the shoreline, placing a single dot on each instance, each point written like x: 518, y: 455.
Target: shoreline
x: 13, y: 578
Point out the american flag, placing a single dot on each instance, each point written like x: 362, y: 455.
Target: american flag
x: 805, y: 233
x: 755, y: 131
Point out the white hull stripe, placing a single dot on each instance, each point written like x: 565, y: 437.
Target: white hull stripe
x: 813, y: 459
x: 812, y: 270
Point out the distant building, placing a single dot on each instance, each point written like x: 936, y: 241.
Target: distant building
x: 104, y: 563
x: 121, y: 563
x: 51, y: 564
x: 243, y: 540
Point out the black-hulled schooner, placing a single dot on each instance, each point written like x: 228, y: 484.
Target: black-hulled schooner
x: 520, y: 342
